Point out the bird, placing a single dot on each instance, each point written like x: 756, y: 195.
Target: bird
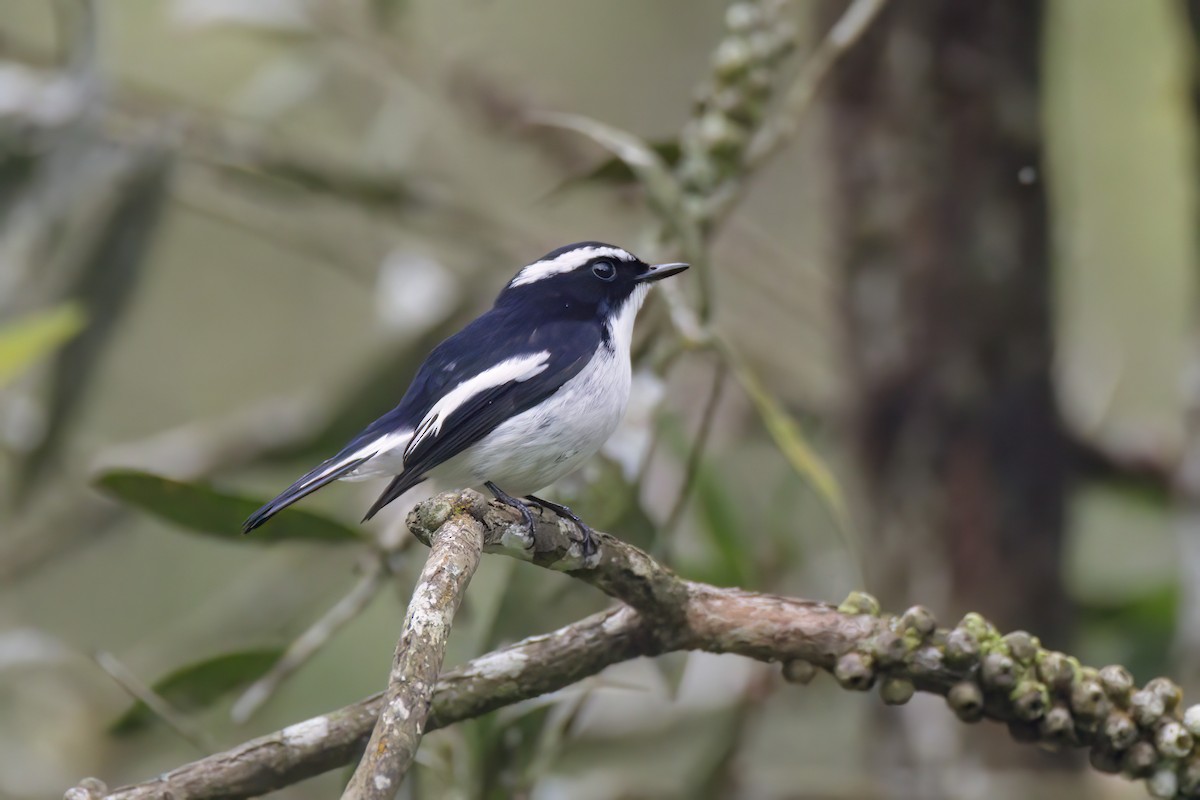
x: 521, y: 396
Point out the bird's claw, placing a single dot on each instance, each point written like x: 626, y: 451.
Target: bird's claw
x: 587, y: 542
x: 528, y: 536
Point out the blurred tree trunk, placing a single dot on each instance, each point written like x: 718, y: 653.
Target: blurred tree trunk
x: 940, y: 213
x: 942, y: 216
x: 1186, y: 655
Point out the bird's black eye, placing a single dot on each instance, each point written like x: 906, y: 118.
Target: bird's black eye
x: 604, y: 270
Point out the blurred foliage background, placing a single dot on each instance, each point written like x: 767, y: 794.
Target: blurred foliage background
x: 229, y: 232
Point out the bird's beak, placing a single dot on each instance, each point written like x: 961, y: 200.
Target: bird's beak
x: 659, y: 271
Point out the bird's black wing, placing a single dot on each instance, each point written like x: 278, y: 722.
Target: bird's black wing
x: 554, y: 353
x: 488, y: 340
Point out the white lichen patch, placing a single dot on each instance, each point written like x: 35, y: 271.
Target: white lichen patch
x: 517, y: 541
x: 307, y: 733
x: 643, y: 568
x: 614, y: 622
x: 500, y: 665
x: 382, y: 782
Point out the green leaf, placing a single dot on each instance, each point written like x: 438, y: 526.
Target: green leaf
x: 24, y: 342
x: 199, y: 685
x: 791, y: 441
x: 651, y: 169
x: 1136, y: 632
x: 202, y: 509
x: 615, y: 172
x: 725, y: 530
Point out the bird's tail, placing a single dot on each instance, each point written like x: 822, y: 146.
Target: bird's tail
x: 326, y: 473
x: 399, y: 485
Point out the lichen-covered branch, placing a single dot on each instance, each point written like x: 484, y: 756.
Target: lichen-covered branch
x: 455, y: 548
x: 1041, y: 695
x: 620, y: 571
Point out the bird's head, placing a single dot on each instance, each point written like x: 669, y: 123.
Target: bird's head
x: 587, y: 279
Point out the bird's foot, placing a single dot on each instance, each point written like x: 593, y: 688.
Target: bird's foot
x: 586, y: 541
x: 527, y: 515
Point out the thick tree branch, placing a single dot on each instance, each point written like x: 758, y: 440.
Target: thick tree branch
x: 455, y: 548
x: 617, y: 569
x: 1043, y: 696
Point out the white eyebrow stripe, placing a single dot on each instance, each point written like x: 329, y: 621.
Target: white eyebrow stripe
x: 512, y: 370
x: 572, y: 259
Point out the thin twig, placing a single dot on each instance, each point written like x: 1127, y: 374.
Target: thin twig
x: 199, y: 448
x: 694, y: 332
x: 700, y: 443
x: 782, y: 126
x: 312, y: 640
x: 778, y: 130
x: 551, y: 739
x: 455, y: 550
x: 127, y: 680
x: 713, y: 205
x: 80, y: 25
x: 1143, y: 461
x: 324, y: 255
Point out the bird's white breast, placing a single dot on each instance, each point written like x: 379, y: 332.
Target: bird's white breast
x: 550, y: 440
